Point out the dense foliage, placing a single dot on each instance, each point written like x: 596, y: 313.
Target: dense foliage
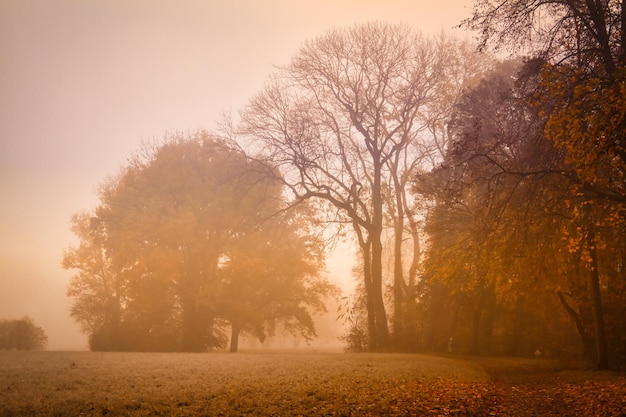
x: 536, y: 211
x: 189, y: 238
x: 524, y: 213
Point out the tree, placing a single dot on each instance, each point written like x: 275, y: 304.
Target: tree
x: 459, y: 67
x: 584, y: 50
x: 341, y: 122
x: 100, y: 292
x: 504, y: 187
x: 22, y: 334
x: 589, y: 33
x: 271, y: 275
x: 497, y: 197
x: 170, y: 220
x: 152, y: 254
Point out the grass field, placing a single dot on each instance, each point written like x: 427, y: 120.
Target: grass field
x: 274, y: 383
x: 271, y: 384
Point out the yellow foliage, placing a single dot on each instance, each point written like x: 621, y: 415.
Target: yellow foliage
x: 588, y: 121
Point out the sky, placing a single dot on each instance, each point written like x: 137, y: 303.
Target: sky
x: 83, y: 83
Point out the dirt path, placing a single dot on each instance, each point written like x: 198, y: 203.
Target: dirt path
x: 541, y: 388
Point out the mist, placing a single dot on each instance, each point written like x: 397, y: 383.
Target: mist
x: 84, y: 84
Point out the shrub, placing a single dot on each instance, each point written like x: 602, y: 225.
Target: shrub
x: 22, y: 334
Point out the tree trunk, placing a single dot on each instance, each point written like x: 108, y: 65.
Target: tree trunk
x: 411, y: 328
x: 477, y: 323
x: 585, y: 338
x: 382, y: 331
x: 452, y: 327
x: 399, y: 308
x: 514, y: 346
x: 234, y: 337
x: 193, y: 327
x: 417, y: 252
x: 191, y: 338
x: 478, y: 311
x: 489, y: 294
x: 602, y: 356
x: 371, y: 306
x: 399, y: 286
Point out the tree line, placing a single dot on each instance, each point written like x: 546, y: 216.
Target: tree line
x: 485, y: 198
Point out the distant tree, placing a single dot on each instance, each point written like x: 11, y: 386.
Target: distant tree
x: 153, y: 256
x: 99, y: 292
x: 170, y: 219
x: 270, y: 276
x: 22, y: 334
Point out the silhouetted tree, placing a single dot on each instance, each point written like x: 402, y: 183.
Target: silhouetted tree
x: 345, y: 122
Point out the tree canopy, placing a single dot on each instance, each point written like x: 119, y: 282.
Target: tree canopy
x: 153, y: 255
x: 270, y: 276
x: 580, y: 51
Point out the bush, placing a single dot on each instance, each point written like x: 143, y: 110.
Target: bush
x: 22, y: 335
x: 352, y: 312
x: 356, y: 338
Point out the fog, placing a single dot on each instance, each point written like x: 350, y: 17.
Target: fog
x: 83, y: 83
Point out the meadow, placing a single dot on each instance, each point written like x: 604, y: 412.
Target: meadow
x: 268, y: 383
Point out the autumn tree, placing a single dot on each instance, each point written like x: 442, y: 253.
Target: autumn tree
x: 98, y: 291
x: 507, y: 214
x: 22, y: 334
x: 270, y: 276
x: 582, y: 45
x: 491, y: 203
x: 150, y: 254
x: 344, y: 121
x: 169, y: 220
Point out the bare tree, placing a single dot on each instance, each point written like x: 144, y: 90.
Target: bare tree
x: 458, y: 67
x: 345, y: 123
x: 590, y: 33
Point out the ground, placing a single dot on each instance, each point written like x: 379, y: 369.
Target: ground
x: 279, y: 383
x: 551, y: 388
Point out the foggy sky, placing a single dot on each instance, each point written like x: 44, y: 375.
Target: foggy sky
x: 82, y: 83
